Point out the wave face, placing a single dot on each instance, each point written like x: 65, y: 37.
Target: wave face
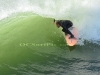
x: 84, y: 14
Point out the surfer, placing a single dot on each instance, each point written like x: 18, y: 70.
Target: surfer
x: 65, y: 24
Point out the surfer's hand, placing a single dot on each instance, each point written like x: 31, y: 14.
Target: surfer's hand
x: 63, y: 30
x: 66, y: 34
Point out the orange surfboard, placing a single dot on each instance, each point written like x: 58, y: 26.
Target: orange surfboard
x: 72, y: 41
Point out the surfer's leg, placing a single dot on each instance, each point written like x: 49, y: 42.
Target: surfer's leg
x: 68, y: 32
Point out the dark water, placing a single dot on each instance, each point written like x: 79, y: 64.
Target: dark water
x: 32, y: 45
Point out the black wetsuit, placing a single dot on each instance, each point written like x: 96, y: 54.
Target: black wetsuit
x: 65, y: 24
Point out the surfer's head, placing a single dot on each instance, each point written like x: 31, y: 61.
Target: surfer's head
x: 57, y: 23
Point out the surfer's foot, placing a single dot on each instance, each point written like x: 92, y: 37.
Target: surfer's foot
x: 71, y: 37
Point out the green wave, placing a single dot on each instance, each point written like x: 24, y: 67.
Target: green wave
x: 27, y: 33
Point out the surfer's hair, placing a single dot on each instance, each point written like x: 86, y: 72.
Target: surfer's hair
x: 54, y: 20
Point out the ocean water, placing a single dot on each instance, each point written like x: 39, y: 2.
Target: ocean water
x: 30, y: 44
